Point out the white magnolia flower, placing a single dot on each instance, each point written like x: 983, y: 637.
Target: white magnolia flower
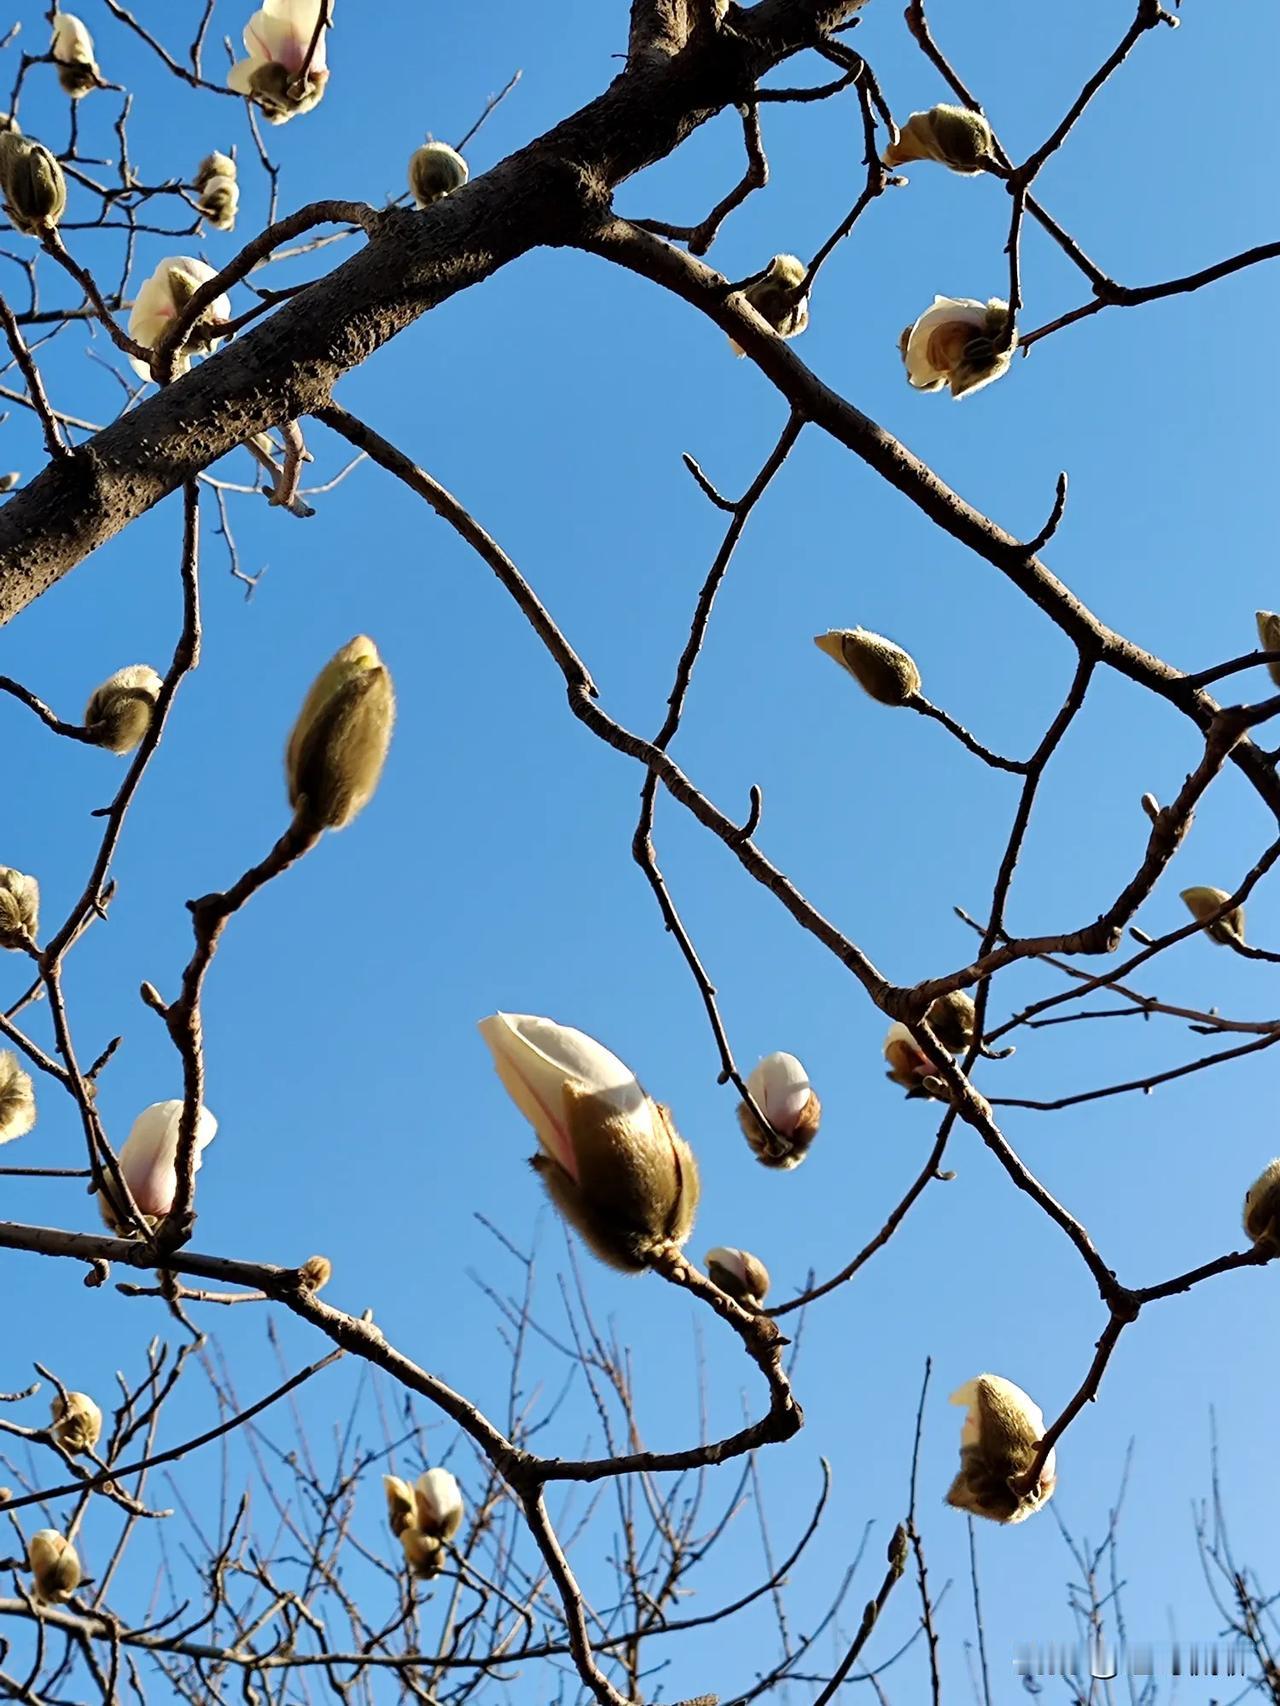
x: 72, y: 50
x: 953, y: 343
x: 908, y: 1063
x: 278, y: 40
x: 438, y: 1501
x: 169, y: 289
x: 1202, y: 903
x: 781, y: 1086
x: 149, y: 1157
x: 998, y: 1442
x: 954, y: 136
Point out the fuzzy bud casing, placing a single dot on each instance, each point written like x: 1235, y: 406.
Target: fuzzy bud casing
x: 339, y: 742
x: 783, y: 1093
x: 118, y: 714
x: 879, y: 667
x: 952, y: 1018
x: 954, y: 136
x: 1269, y: 639
x: 19, y: 908
x: 17, y: 1098
x: 435, y: 171
x: 218, y: 190
x: 315, y: 1273
x: 1202, y: 903
x: 611, y: 1159
x: 55, y: 1566
x: 998, y: 1444
x: 1262, y: 1207
x: 76, y: 1421
x: 773, y: 296
x: 739, y: 1274
x: 72, y: 50
x: 35, y: 190
x: 423, y: 1554
x: 401, y: 1508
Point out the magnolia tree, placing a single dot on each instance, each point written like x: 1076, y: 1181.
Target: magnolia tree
x: 405, y: 1537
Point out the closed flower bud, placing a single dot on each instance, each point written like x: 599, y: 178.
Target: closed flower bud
x: 436, y: 170
x: 909, y: 1065
x: 218, y: 190
x: 739, y: 1274
x: 612, y: 1161
x: 55, y: 1566
x: 9, y: 125
x: 278, y: 40
x: 160, y: 300
x: 997, y: 1446
x: 951, y: 1019
x: 438, y: 1499
x: 954, y: 136
x: 119, y: 713
x: 339, y: 742
x: 77, y: 1421
x: 1269, y: 638
x: 879, y: 667
x: 400, y: 1504
x: 315, y: 1273
x: 781, y: 1088
x: 773, y: 296
x: 1202, y: 903
x: 35, y: 190
x: 423, y: 1554
x: 957, y: 343
x: 1262, y: 1207
x: 19, y: 908
x: 72, y: 50
x: 9, y: 481
x: 17, y: 1098
x: 149, y: 1161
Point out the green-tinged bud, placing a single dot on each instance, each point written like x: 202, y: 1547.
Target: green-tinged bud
x: 1269, y: 636
x: 1262, y: 1207
x: 998, y: 1445
x: 55, y: 1566
x: 423, y: 1554
x: 339, y: 742
x: 315, y: 1273
x: 218, y: 190
x: 1202, y: 903
x: 76, y: 1421
x: 774, y: 297
x: 119, y: 712
x: 400, y: 1506
x: 739, y: 1274
x: 436, y: 170
x: 879, y: 667
x: 954, y: 136
x: 952, y: 1018
x: 19, y: 908
x: 35, y: 191
x: 17, y: 1098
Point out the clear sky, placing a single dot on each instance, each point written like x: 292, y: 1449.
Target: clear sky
x: 359, y: 1112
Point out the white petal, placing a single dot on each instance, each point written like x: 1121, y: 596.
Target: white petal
x: 148, y: 1159
x: 781, y: 1086
x: 72, y: 42
x: 440, y: 1493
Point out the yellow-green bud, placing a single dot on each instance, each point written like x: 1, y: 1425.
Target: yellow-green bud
x: 422, y: 1552
x: 436, y: 170
x: 339, y: 742
x: 952, y: 1018
x: 77, y: 1421
x: 217, y: 190
x: 954, y: 136
x: 19, y: 908
x: 773, y: 296
x: 119, y: 712
x: 1262, y: 1207
x: 35, y: 190
x: 17, y: 1098
x: 1202, y: 903
x: 55, y: 1566
x: 1269, y: 635
x: 879, y: 667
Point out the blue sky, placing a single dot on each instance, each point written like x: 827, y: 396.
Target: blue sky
x: 359, y: 1114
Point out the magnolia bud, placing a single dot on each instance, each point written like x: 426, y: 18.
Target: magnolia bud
x: 72, y: 50
x: 217, y: 190
x: 1202, y: 903
x: 339, y: 742
x: 879, y: 667
x: 910, y: 1066
x: 77, y: 1421
x: 954, y: 136
x: 1262, y: 1207
x: 35, y: 190
x: 1269, y: 636
x: 958, y: 343
x: 9, y: 481
x: 149, y: 1162
x: 951, y: 1019
x: 17, y: 1098
x: 781, y: 1088
x: 9, y: 125
x: 315, y: 1273
x: 436, y: 170
x: 612, y: 1160
x: 400, y: 1504
x: 55, y: 1566
x: 739, y: 1274
x: 1151, y: 805
x: 773, y: 296
x: 118, y: 714
x: 423, y: 1554
x: 19, y: 908
x: 438, y: 1499
x: 997, y: 1445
